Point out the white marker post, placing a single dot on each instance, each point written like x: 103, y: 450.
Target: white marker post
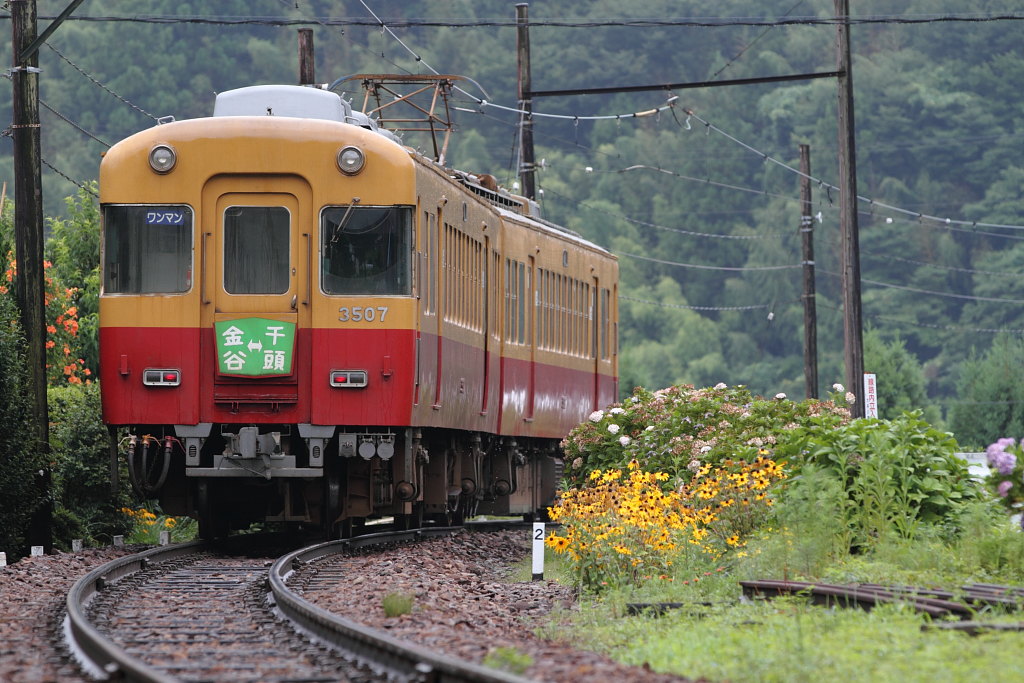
x: 538, y: 551
x: 870, y: 395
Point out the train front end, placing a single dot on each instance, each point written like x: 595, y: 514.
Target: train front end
x: 257, y: 293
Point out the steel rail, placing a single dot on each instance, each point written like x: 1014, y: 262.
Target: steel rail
x: 94, y: 651
x: 937, y: 603
x: 373, y: 647
x: 104, y: 660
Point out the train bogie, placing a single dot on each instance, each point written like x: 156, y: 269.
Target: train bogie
x: 303, y: 321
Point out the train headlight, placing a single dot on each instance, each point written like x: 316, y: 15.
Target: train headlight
x: 162, y: 158
x: 351, y: 160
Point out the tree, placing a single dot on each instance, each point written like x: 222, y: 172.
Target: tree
x: 991, y: 395
x: 899, y: 376
x: 20, y: 465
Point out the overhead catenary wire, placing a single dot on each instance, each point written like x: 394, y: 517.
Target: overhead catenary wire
x: 695, y: 308
x: 705, y: 267
x: 691, y: 22
x: 98, y: 83
x: 917, y: 215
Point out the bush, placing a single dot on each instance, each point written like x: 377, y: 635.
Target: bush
x: 681, y: 429
x: 81, y: 481
x: 20, y: 464
x: 897, y: 474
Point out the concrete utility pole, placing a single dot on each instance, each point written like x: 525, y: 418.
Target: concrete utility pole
x: 527, y: 167
x: 28, y: 243
x: 853, y: 336
x: 810, y: 308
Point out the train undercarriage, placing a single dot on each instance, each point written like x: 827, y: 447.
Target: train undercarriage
x: 335, y: 480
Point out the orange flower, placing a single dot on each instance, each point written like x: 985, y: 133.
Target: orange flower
x: 50, y: 329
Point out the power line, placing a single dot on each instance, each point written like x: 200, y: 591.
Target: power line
x: 68, y: 178
x: 952, y: 328
x: 79, y: 128
x: 973, y: 271
x: 821, y: 183
x: 916, y: 290
x: 101, y: 85
x: 703, y: 267
x: 695, y: 308
x: 700, y: 22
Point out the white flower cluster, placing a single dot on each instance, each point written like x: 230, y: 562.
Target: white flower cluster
x: 596, y: 416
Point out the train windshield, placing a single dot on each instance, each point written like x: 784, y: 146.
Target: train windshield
x: 256, y: 256
x: 147, y: 249
x: 366, y: 249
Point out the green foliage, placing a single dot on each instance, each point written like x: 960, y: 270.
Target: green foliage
x: 679, y: 429
x: 80, y: 445
x: 397, y: 604
x: 508, y: 659
x: 900, y: 378
x: 991, y: 403
x: 896, y: 474
x: 147, y: 525
x: 20, y: 463
x: 74, y: 250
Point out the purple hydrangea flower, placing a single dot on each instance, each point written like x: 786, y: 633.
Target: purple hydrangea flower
x: 1004, y: 488
x: 999, y: 458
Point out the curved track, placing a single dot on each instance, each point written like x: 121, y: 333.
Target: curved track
x: 197, y: 613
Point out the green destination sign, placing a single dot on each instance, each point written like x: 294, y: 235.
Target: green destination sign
x: 255, y: 347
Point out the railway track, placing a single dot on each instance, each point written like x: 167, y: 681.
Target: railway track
x: 964, y: 604
x: 198, y: 613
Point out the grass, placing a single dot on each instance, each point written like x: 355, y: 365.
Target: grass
x: 790, y: 640
x: 397, y: 604
x: 719, y: 637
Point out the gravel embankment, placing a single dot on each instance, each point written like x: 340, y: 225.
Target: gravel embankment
x: 464, y: 606
x: 32, y: 594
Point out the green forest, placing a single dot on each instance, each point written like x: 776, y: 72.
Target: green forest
x: 700, y: 200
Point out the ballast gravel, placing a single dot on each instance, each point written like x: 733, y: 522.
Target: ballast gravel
x: 463, y: 605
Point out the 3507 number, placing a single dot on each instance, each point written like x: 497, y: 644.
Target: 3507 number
x: 359, y: 314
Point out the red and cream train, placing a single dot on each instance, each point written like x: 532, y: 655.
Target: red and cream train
x: 303, y: 320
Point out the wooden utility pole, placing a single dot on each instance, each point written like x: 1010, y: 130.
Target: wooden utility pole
x: 807, y: 246
x: 526, y: 164
x: 853, y: 336
x: 307, y: 66
x: 28, y: 244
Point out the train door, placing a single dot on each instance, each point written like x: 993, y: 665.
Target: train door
x: 257, y: 247
x: 442, y: 254
x: 485, y: 292
x: 527, y: 308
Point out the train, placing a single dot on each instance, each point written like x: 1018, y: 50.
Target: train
x: 304, y: 320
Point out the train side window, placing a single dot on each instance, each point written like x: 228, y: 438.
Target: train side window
x: 366, y: 250
x: 147, y: 249
x: 256, y: 250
